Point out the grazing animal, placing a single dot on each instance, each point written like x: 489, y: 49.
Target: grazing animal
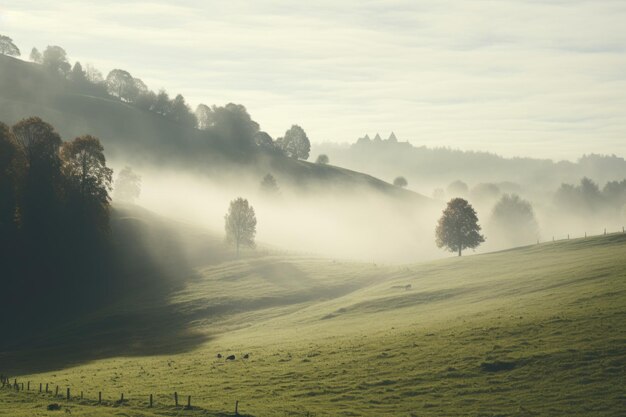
x: 230, y: 358
x: 219, y: 356
x: 246, y: 356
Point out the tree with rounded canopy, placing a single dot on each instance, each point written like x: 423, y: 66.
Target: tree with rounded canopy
x: 35, y: 56
x: 7, y: 47
x: 233, y: 123
x: 39, y: 142
x: 127, y: 186
x: 269, y: 184
x: 400, y: 182
x: 513, y: 221
x: 240, y: 224
x: 41, y: 191
x: 457, y: 189
x: 203, y: 113
x: 263, y: 140
x: 121, y: 84
x: 322, y: 159
x: 85, y: 169
x: 458, y: 227
x: 295, y: 143
x: 55, y: 60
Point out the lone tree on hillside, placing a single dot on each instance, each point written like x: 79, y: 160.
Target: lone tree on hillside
x: 127, y: 186
x: 7, y: 47
x: 295, y: 144
x: 269, y: 184
x: 513, y: 221
x: 458, y: 189
x: 458, y: 227
x: 240, y: 224
x: 322, y: 159
x: 400, y: 182
x: 88, y: 179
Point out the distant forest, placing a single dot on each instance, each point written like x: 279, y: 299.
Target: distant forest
x: 429, y: 168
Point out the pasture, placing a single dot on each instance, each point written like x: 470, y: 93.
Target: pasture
x: 534, y: 331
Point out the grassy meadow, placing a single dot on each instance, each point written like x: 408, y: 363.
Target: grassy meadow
x: 534, y: 331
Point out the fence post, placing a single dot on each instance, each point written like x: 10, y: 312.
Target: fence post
x: 81, y: 395
x: 68, y: 393
x: 189, y: 402
x: 40, y: 387
x: 46, y: 387
x: 236, y: 408
x: 150, y: 400
x: 176, y: 399
x: 28, y: 386
x: 99, y: 397
x: 122, y: 398
x: 56, y: 392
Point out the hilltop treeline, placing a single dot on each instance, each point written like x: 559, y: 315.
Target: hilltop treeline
x: 54, y: 215
x: 230, y: 122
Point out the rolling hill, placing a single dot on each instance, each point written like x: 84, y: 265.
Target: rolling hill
x: 533, y: 331
x: 143, y: 138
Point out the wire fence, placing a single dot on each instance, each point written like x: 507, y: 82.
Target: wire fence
x: 173, y: 400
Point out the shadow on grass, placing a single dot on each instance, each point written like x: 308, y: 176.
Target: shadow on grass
x: 123, y: 311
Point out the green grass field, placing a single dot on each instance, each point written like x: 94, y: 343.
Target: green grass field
x: 535, y: 331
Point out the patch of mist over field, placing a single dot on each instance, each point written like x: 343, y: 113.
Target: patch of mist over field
x: 360, y: 224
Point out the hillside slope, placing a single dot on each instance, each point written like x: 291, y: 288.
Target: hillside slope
x: 131, y: 135
x: 533, y: 331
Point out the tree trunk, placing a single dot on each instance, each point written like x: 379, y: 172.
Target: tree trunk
x: 459, y: 251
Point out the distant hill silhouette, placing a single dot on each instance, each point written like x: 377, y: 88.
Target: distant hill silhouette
x: 392, y: 157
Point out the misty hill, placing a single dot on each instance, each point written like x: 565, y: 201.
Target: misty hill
x: 143, y: 138
x: 427, y: 168
x: 466, y: 332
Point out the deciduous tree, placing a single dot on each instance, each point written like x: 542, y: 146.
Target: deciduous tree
x: 458, y: 227
x: 240, y: 224
x: 400, y: 182
x: 513, y: 221
x: 7, y: 47
x: 54, y: 59
x: 127, y: 186
x: 121, y: 84
x: 295, y: 143
x: 322, y: 159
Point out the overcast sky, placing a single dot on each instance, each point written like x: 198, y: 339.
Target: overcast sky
x: 518, y: 77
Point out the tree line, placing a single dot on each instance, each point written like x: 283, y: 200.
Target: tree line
x: 231, y: 122
x: 54, y: 208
